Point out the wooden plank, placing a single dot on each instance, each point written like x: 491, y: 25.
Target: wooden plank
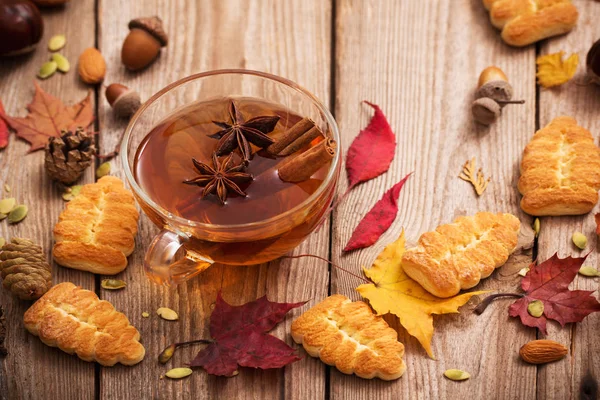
x: 562, y: 379
x: 420, y: 62
x: 285, y: 38
x: 33, y: 370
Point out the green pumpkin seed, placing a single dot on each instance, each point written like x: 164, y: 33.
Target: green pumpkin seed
x: 579, y: 240
x: 167, y: 313
x: 103, y: 170
x: 2, y: 216
x: 2, y: 242
x: 524, y: 271
x: 145, y: 314
x: 47, y: 70
x: 456, y: 374
x: 586, y: 270
x: 6, y: 188
x: 71, y: 192
x: 112, y: 284
x: 7, y: 205
x: 57, y: 42
x: 166, y: 354
x: 178, y: 373
x: 536, y: 227
x: 535, y: 308
x: 17, y: 214
x: 62, y: 64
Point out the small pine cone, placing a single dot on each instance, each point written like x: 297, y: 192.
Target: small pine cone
x: 69, y: 155
x: 24, y: 269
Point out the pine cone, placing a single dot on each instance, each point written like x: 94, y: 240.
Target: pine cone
x: 69, y: 155
x: 25, y: 271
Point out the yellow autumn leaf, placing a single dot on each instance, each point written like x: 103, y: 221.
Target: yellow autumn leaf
x: 553, y: 71
x: 392, y: 291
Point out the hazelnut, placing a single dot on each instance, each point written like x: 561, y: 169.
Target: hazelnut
x: 124, y: 101
x: 21, y: 27
x: 493, y: 83
x: 92, y: 66
x: 485, y: 110
x: 142, y: 44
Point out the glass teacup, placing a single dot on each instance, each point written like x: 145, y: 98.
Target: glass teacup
x: 186, y: 247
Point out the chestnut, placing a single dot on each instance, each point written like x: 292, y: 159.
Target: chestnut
x: 593, y: 62
x: 21, y: 27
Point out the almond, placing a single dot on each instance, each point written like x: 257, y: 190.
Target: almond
x: 542, y: 351
x: 92, y: 66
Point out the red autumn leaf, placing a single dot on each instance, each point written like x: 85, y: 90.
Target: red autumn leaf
x: 372, y: 151
x: 549, y: 283
x: 48, y: 116
x: 3, y: 128
x: 241, y: 339
x: 377, y: 220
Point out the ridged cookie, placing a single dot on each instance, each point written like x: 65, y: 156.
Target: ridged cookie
x: 96, y: 230
x: 77, y: 322
x: 560, y: 170
x: 524, y: 22
x: 350, y: 337
x: 458, y: 255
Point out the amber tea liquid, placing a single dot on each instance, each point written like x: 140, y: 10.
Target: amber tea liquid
x: 164, y: 160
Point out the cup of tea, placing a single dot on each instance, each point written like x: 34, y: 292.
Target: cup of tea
x: 233, y: 166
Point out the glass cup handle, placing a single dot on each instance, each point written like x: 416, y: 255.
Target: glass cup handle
x: 169, y: 262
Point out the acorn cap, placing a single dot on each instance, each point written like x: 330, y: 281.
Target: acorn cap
x: 485, y: 110
x: 152, y: 25
x: 497, y: 90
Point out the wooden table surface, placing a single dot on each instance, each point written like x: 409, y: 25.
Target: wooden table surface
x: 419, y: 60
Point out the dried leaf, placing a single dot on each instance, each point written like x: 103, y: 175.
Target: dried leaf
x: 392, y: 291
x: 372, y: 151
x: 553, y: 71
x: 377, y: 220
x: 3, y: 127
x: 241, y: 339
x: 476, y: 179
x: 48, y: 116
x: 549, y: 283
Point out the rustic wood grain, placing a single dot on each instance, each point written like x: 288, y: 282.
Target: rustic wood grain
x: 421, y: 65
x: 291, y: 39
x: 562, y: 379
x: 33, y: 370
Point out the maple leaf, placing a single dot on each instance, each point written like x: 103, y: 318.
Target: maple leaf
x: 553, y: 71
x: 549, y: 283
x: 377, y: 220
x: 392, y: 291
x: 3, y: 128
x: 48, y: 116
x: 241, y: 339
x: 372, y: 151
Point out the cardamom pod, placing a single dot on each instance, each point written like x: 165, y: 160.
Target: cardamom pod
x: 536, y: 227
x: 57, y: 42
x: 7, y: 205
x: 112, y: 284
x: 456, y: 374
x: 579, y: 240
x: 62, y: 64
x: 47, y: 70
x: 103, y: 170
x: 524, y: 271
x: 17, y: 214
x: 535, y: 308
x: 586, y: 270
x: 167, y: 313
x: 178, y: 373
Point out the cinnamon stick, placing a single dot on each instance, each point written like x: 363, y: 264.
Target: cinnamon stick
x: 295, y: 138
x: 304, y: 165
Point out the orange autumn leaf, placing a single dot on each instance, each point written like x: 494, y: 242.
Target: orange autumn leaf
x: 392, y: 291
x: 48, y: 116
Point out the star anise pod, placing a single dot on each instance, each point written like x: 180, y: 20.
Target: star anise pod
x: 239, y: 133
x: 220, y: 178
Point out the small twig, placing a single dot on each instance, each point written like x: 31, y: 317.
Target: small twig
x: 115, y: 152
x: 476, y: 179
x: 510, y: 101
x: 168, y: 352
x: 486, y: 302
x: 332, y: 264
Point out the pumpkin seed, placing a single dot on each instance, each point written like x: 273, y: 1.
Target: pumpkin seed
x: 579, y: 240
x: 524, y: 271
x: 166, y: 354
x: 62, y: 64
x: 456, y: 374
x: 2, y: 241
x: 17, y: 214
x: 535, y: 308
x: 47, y: 70
x: 112, y: 284
x: 536, y: 227
x: 178, y: 373
x: 71, y: 192
x: 2, y: 216
x: 7, y: 205
x: 167, y: 313
x: 57, y: 42
x: 145, y: 314
x: 103, y: 170
x: 6, y: 188
x: 586, y: 270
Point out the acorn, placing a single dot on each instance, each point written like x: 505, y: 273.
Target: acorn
x: 485, y: 110
x: 493, y: 83
x: 124, y: 101
x: 21, y: 27
x: 143, y: 43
